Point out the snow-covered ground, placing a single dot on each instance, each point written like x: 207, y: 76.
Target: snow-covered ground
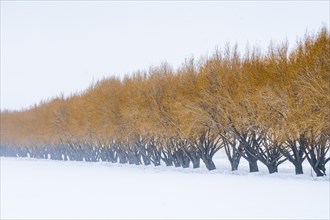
x: 45, y: 189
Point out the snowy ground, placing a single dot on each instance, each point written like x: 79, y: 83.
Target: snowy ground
x: 44, y: 189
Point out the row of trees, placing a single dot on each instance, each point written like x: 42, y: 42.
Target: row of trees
x: 264, y: 108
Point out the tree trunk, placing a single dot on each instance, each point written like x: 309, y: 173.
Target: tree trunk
x: 209, y: 164
x: 196, y: 163
x: 319, y: 171
x: 122, y: 157
x: 166, y: 156
x: 234, y: 164
x: 137, y: 158
x: 176, y: 160
x: 193, y: 157
x: 272, y: 168
x: 253, y: 165
x: 185, y: 161
x: 298, y: 168
x: 315, y: 151
x: 146, y: 160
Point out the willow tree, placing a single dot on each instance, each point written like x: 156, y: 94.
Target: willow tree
x: 310, y: 103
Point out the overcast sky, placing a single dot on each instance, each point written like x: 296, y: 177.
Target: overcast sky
x: 54, y: 47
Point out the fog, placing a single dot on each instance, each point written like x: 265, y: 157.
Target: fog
x: 57, y: 47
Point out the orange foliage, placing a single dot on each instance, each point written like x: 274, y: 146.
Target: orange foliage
x: 284, y: 94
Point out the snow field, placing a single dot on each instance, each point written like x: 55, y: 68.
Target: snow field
x: 46, y: 189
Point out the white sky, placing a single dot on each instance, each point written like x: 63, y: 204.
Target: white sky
x: 54, y: 47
